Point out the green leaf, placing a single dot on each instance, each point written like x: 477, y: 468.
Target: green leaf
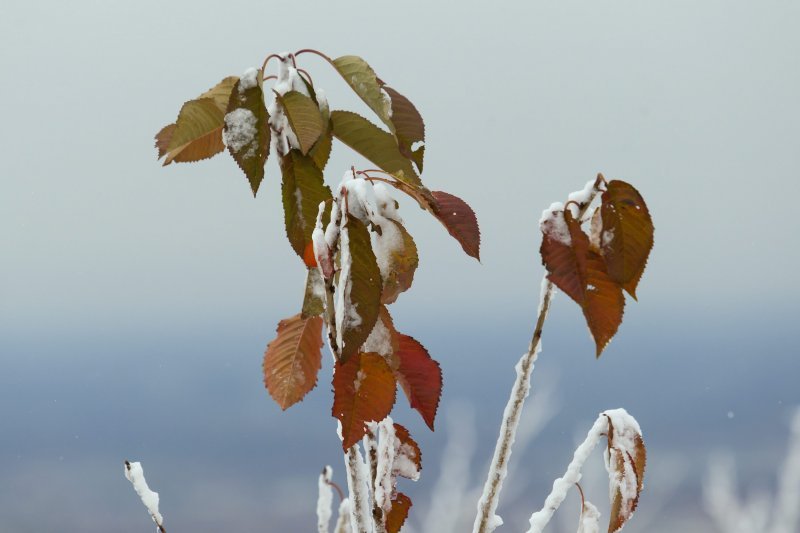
x: 373, y: 143
x: 302, y: 189
x: 304, y: 117
x: 322, y: 149
x: 409, y: 128
x: 247, y: 131
x: 362, y: 79
x: 359, y: 289
x: 197, y: 133
x: 314, y: 299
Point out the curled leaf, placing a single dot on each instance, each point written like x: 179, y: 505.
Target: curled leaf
x: 402, y: 265
x: 626, y: 458
x: 408, y: 456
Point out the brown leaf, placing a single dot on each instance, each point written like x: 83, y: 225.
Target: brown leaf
x: 397, y: 516
x: 293, y: 359
x: 409, y: 453
x: 603, y: 302
x: 304, y: 118
x: 363, y: 391
x: 197, y: 134
x: 626, y: 461
x: 627, y: 236
x: 162, y: 139
x: 420, y: 377
x: 221, y: 92
x: 564, y: 249
x: 409, y: 127
x: 460, y: 221
x: 402, y: 265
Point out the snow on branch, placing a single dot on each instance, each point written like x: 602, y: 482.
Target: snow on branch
x: 135, y: 474
x: 324, y: 500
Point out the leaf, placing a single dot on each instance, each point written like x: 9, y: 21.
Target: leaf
x: 627, y: 236
x: 374, y: 144
x: 398, y: 514
x: 420, y: 377
x: 408, y: 457
x: 603, y: 303
x: 314, y: 299
x: 564, y: 249
x: 221, y: 92
x: 247, y: 132
x: 362, y: 79
x: 402, y: 265
x: 409, y: 127
x: 197, y: 133
x: 293, y: 359
x: 363, y: 391
x: 360, y: 290
x: 460, y: 221
x: 304, y: 118
x: 302, y: 189
x: 626, y: 459
x: 322, y: 149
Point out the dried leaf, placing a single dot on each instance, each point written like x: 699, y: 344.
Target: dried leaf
x: 362, y: 79
x: 304, y: 118
x: 408, y: 457
x: 374, y: 144
x: 314, y: 299
x: 398, y: 514
x: 402, y: 265
x: 362, y: 285
x: 363, y: 391
x: 626, y: 459
x: 565, y: 261
x: 627, y: 236
x: 163, y: 138
x: 221, y: 92
x: 409, y: 127
x: 420, y: 377
x: 293, y: 359
x: 603, y: 303
x: 197, y: 134
x: 460, y: 221
x: 247, y: 132
x: 303, y: 189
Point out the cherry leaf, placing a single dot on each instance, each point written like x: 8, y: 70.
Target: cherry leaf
x: 221, y: 92
x: 197, y: 134
x: 247, y: 132
x: 420, y: 377
x: 627, y: 236
x: 626, y: 459
x: 460, y: 221
x: 408, y: 457
x: 398, y: 514
x: 363, y: 391
x: 603, y: 303
x: 409, y: 127
x: 293, y: 359
x: 302, y: 189
x: 304, y: 118
x: 564, y: 249
x: 314, y: 298
x: 362, y: 79
x: 402, y: 265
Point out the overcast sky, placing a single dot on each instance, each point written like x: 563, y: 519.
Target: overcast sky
x: 695, y: 103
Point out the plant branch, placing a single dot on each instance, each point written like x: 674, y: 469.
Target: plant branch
x: 486, y: 520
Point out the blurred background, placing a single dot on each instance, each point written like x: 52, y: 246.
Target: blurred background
x: 136, y: 301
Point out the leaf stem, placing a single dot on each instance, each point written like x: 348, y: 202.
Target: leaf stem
x: 486, y: 520
x: 315, y: 52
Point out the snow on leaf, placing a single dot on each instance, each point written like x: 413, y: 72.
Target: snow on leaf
x: 247, y: 132
x: 362, y: 79
x: 627, y: 236
x: 363, y: 391
x: 197, y: 134
x: 420, y: 377
x: 293, y: 359
x: 374, y: 144
x: 304, y: 118
x: 460, y: 221
x: 302, y: 189
x: 603, y: 302
x: 397, y: 516
x: 402, y: 265
x: 409, y: 127
x: 361, y: 288
x: 626, y: 459
x: 590, y: 519
x: 408, y: 456
x: 314, y: 298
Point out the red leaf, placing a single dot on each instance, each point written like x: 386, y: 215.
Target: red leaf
x: 363, y: 391
x: 420, y: 377
x: 293, y: 359
x: 460, y: 221
x: 397, y: 516
x: 603, y: 303
x: 565, y: 258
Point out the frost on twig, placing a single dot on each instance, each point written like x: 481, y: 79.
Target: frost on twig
x: 135, y: 474
x: 358, y: 487
x: 343, y: 522
x: 324, y: 500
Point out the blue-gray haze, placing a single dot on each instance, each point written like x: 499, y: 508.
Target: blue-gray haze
x: 136, y: 301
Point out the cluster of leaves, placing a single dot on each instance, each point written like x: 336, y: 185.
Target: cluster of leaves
x: 299, y: 127
x: 593, y: 269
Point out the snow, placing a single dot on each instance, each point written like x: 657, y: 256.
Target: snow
x: 553, y: 224
x: 324, y: 500
x: 343, y: 522
x: 135, y: 474
x: 288, y: 79
x: 248, y: 80
x: 384, y: 477
x: 590, y: 519
x: 240, y: 130
x: 405, y: 463
x: 357, y: 484
x: 379, y: 340
x: 582, y: 196
x: 625, y: 430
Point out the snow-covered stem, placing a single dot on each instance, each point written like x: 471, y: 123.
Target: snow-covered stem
x: 135, y: 474
x: 343, y: 522
x: 572, y: 476
x: 358, y: 486
x: 324, y: 500
x: 486, y: 520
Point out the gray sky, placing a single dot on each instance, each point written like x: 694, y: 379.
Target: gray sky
x: 695, y: 103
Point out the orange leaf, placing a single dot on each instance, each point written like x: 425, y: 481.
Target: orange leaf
x: 627, y: 236
x: 420, y: 377
x: 603, y: 302
x: 363, y: 391
x: 410, y: 453
x: 293, y: 359
x: 460, y: 221
x: 397, y: 516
